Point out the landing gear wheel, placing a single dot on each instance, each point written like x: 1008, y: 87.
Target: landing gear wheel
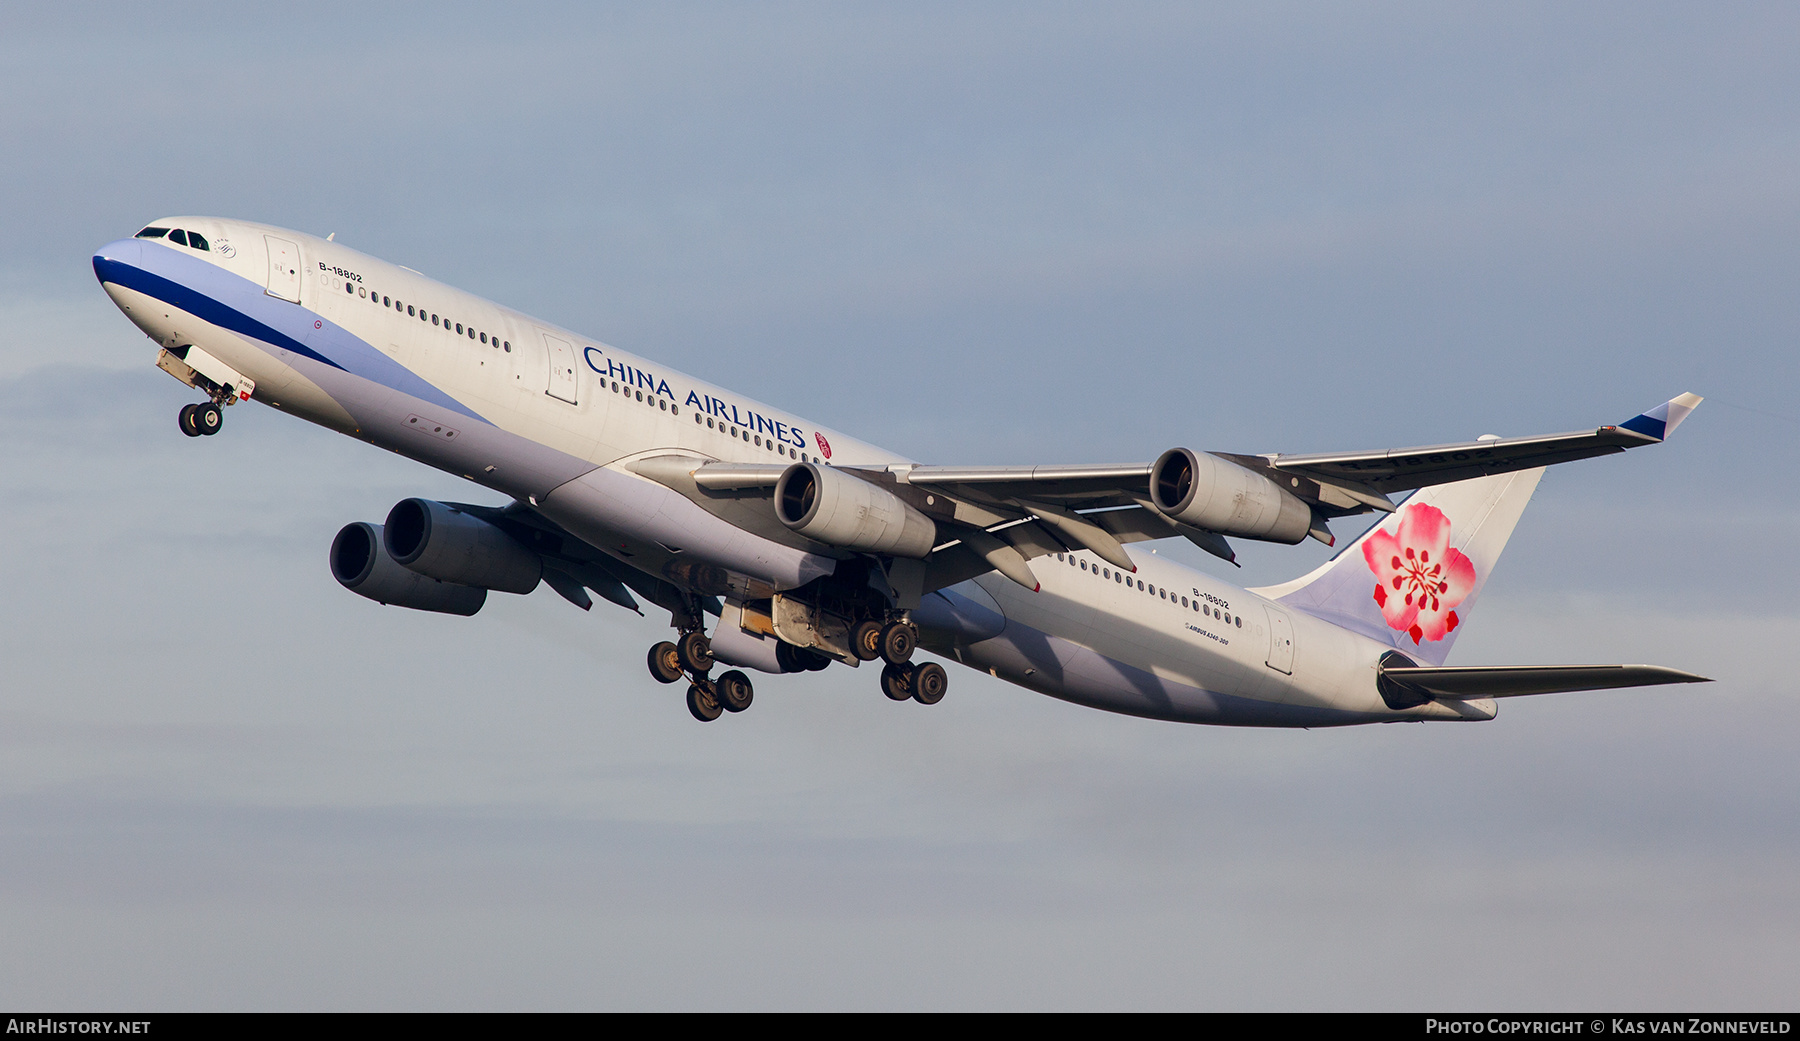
x: 897, y: 642
x: 865, y: 641
x: 733, y: 691
x: 665, y: 666
x: 799, y: 659
x: 703, y: 703
x: 185, y: 419
x: 929, y: 683
x: 896, y: 682
x: 207, y: 417
x: 695, y: 652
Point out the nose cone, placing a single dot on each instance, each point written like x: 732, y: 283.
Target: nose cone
x: 111, y: 260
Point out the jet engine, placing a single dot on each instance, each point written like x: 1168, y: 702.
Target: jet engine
x: 436, y: 540
x: 838, y: 509
x: 362, y: 565
x: 1208, y: 492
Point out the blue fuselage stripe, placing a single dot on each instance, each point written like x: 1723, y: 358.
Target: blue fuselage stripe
x: 200, y: 306
x: 203, y: 290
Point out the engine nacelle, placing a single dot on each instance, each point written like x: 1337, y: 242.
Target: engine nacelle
x: 435, y: 540
x: 833, y: 507
x: 1212, y: 493
x: 362, y: 565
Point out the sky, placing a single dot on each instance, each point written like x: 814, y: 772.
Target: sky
x: 972, y: 233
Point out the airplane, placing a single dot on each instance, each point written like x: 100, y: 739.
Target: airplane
x: 808, y: 547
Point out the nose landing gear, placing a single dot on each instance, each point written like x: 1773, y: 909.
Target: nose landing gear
x: 203, y: 418
x: 203, y: 372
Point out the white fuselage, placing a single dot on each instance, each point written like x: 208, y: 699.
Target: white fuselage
x: 1168, y: 641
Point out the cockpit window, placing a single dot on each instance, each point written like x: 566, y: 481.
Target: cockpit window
x: 178, y: 237
x: 197, y: 242
x: 152, y: 233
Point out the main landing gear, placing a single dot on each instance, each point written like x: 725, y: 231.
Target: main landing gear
x: 205, y: 417
x: 894, y: 643
x: 924, y: 683
x: 691, y: 656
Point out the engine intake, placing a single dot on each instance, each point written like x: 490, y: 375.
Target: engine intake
x: 362, y: 565
x: 433, y: 539
x: 838, y: 509
x: 1208, y: 492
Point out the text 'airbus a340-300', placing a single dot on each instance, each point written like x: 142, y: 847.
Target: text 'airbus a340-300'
x: 629, y: 479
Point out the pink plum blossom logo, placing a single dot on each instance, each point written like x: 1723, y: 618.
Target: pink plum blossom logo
x: 824, y: 445
x: 1419, y: 578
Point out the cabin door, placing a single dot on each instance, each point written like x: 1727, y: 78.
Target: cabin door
x: 562, y: 369
x: 1281, y: 640
x: 284, y: 269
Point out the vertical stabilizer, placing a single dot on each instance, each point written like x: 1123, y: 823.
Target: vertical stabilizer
x: 1412, y: 579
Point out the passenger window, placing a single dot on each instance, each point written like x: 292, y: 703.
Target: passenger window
x: 509, y: 346
x: 484, y: 337
x: 178, y: 236
x: 434, y: 320
x: 459, y: 328
x: 363, y: 292
x: 350, y: 287
x: 409, y: 309
x: 152, y: 233
x: 387, y: 301
x: 197, y: 242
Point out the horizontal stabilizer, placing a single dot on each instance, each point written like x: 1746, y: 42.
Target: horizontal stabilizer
x: 1511, y: 681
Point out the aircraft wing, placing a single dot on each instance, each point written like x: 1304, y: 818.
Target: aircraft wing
x: 1402, y: 469
x: 999, y: 517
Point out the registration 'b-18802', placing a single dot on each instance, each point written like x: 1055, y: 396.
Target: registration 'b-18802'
x: 800, y: 547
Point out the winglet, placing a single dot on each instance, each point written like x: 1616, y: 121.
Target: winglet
x: 1662, y: 420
